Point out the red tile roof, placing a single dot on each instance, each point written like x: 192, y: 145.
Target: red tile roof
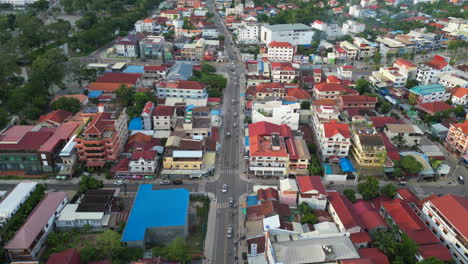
x: 309, y: 183
x: 377, y: 256
x: 214, y: 100
x: 462, y: 126
x: 262, y: 147
x: 267, y: 194
x: 68, y: 256
x: 163, y: 110
x: 36, y: 221
x: 404, y: 63
x: 99, y: 124
x: 122, y: 166
x: 154, y: 68
x: 277, y: 44
x: 358, y: 99
x: 381, y: 121
x: 408, y: 195
x: 147, y: 155
x: 106, y: 87
x: 455, y: 210
x: 61, y: 134
x: 325, y: 102
x: 298, y: 93
x: 282, y: 66
x: 437, y: 62
x: 260, y: 241
x: 318, y: 22
x: 369, y: 216
x: 329, y: 87
x: 343, y: 208
x: 270, y: 208
x: 356, y: 261
x: 460, y: 92
x: 192, y: 85
x: 263, y: 129
x: 57, y: 116
x: 118, y: 77
x: 333, y: 128
x: 333, y: 79
x: 148, y: 107
x: 360, y: 237
x: 409, y: 222
x: 434, y: 107
x: 268, y: 87
x: 80, y: 97
x: 435, y: 250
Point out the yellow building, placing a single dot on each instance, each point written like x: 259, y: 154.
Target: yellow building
x: 170, y: 14
x: 368, y: 149
x: 184, y: 160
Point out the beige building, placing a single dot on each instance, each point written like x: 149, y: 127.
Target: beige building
x: 367, y: 149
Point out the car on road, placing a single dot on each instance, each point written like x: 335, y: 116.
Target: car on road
x: 165, y: 182
x: 224, y: 189
x: 228, y: 134
x: 177, y: 182
x: 461, y: 180
x: 229, y: 232
x: 402, y: 183
x: 235, y: 114
x: 235, y: 124
x: 118, y: 182
x: 231, y: 202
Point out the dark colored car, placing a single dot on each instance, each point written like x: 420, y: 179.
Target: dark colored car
x: 177, y: 182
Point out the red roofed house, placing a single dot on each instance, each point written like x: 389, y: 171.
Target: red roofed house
x: 68, y: 256
x: 360, y: 239
x: 312, y: 192
x: 346, y: 102
x: 457, y: 138
x: 163, y: 117
x: 269, y: 89
x: 460, y: 96
x: 267, y: 194
x: 282, y: 72
x: 428, y: 74
x: 406, y: 68
x: 142, y: 163
x: 334, y: 139
x: 31, y: 237
x: 54, y: 118
x: 371, y: 220
x: 374, y: 254
x: 154, y: 73
x: 181, y: 89
x: 446, y: 216
x: 434, y: 107
x: 103, y: 138
x: 331, y: 91
x: 341, y: 210
x: 280, y: 51
x: 133, y: 79
x: 147, y: 114
x: 379, y: 122
x: 33, y: 149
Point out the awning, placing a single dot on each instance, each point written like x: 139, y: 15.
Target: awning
x: 334, y: 159
x: 346, y: 165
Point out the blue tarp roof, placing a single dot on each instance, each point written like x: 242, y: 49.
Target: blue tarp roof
x: 94, y: 94
x: 190, y: 107
x: 215, y: 112
x: 151, y: 209
x: 252, y: 200
x: 135, y: 124
x: 247, y: 141
x: 134, y: 69
x: 346, y: 165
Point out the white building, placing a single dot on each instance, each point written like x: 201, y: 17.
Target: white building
x: 323, y: 112
x: 210, y: 32
x: 355, y: 11
x: 280, y: 51
x: 143, y: 162
x: 181, y: 89
x: 70, y: 217
x: 430, y: 72
x: 388, y: 77
x: 163, y: 117
x: 248, y: 33
x: 446, y: 217
x: 334, y: 139
x: 282, y: 72
x: 277, y: 113
x: 147, y: 25
x: 312, y: 192
x: 366, y: 48
x: 449, y: 80
x: 319, y: 25
x: 146, y: 115
x: 406, y: 68
x: 237, y: 10
x: 10, y: 205
x: 353, y: 27
x: 403, y: 134
x: 350, y: 50
x: 295, y: 34
x: 345, y: 72
x: 341, y: 210
x: 128, y: 46
x: 460, y: 96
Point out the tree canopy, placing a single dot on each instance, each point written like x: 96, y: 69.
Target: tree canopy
x: 89, y: 183
x: 409, y: 164
x: 389, y: 190
x: 369, y: 188
x: 350, y: 194
x: 177, y: 250
x: 67, y: 103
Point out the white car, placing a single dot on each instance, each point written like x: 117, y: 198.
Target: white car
x: 229, y: 232
x: 118, y: 182
x: 224, y: 188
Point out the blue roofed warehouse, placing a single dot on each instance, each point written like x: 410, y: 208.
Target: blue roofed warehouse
x: 157, y: 217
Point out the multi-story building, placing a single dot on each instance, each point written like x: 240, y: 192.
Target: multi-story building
x: 210, y: 32
x: 429, y: 73
x: 189, y: 3
x: 128, y: 46
x: 152, y: 47
x: 277, y: 113
x: 331, y: 91
x: 142, y: 164
x: 428, y: 94
x: 299, y: 156
x: 163, y: 117
x: 449, y: 80
x: 324, y: 109
x: 334, y: 139
x: 269, y: 89
x: 312, y: 192
x: 350, y: 50
x: 147, y: 25
x: 368, y: 149
x: 389, y: 46
x: 403, y: 134
x: 457, y: 138
x: 406, y: 68
x: 194, y: 51
x: 341, y: 210
x: 388, y: 77
x: 181, y: 89
x: 366, y: 48
x: 153, y: 74
x: 282, y: 72
x: 445, y: 217
x: 460, y: 96
x: 21, y: 3
x: 345, y: 72
x: 346, y: 102
x: 170, y: 14
x: 248, y: 33
x: 146, y: 115
x: 288, y: 192
x: 280, y: 51
x: 295, y: 34
x: 353, y: 27
x: 103, y: 138
x: 33, y: 149
x: 31, y: 237
x: 186, y: 160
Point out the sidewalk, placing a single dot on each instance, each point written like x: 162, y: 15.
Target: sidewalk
x: 210, y: 232
x: 241, y: 243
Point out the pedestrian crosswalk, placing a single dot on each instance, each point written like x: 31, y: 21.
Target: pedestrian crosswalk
x: 229, y: 171
x: 222, y: 205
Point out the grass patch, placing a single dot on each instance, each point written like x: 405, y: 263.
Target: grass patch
x: 198, y: 227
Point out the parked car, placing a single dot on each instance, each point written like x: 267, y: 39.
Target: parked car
x: 402, y: 183
x: 461, y: 180
x: 177, y: 182
x: 228, y: 134
x: 165, y: 182
x: 224, y: 188
x: 118, y: 182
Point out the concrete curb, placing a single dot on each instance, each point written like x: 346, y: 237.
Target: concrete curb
x: 210, y: 232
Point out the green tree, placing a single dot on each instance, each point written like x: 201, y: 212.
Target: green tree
x: 407, y: 248
x: 431, y: 260
x: 178, y: 250
x: 377, y: 58
x: 309, y: 218
x: 108, y: 244
x: 48, y: 68
x: 208, y: 68
x: 305, y: 105
x: 89, y: 183
x: 350, y: 194
x: 125, y: 95
x: 140, y: 100
x: 369, y: 188
x: 3, y: 118
x: 411, y: 83
x: 385, y: 108
x: 68, y: 104
x: 385, y: 241
x: 460, y: 111
x: 410, y: 164
x: 389, y: 190
x: 363, y: 86
x: 304, y: 208
x: 89, y: 254
x: 397, y: 173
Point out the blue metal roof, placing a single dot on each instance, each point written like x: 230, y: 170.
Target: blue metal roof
x: 152, y: 209
x: 94, y: 94
x: 134, y: 69
x: 215, y: 112
x: 252, y: 200
x: 247, y: 141
x: 135, y: 124
x: 346, y: 165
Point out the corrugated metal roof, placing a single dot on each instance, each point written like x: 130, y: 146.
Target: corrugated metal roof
x: 187, y: 154
x: 17, y: 196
